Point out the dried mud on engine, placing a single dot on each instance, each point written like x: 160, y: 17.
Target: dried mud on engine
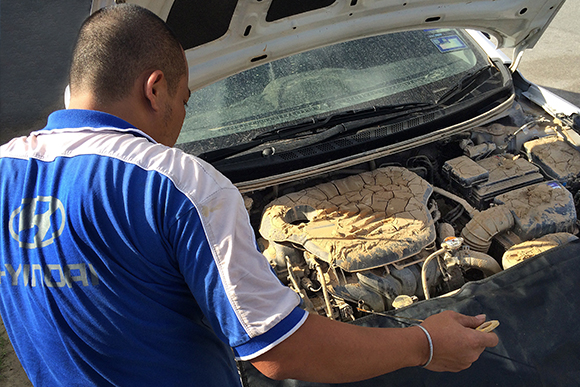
x: 426, y: 221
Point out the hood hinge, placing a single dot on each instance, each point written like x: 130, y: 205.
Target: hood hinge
x: 520, y: 48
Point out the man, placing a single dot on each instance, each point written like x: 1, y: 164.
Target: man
x: 127, y: 262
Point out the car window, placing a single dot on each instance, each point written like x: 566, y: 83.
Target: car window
x: 388, y: 69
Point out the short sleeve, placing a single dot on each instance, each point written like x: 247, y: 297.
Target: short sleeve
x: 242, y: 299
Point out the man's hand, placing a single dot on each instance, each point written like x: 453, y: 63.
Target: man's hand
x: 456, y: 343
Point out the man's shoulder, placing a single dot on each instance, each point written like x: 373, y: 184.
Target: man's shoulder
x: 190, y: 174
x: 194, y: 177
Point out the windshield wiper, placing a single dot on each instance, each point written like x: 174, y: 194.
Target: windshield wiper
x: 300, y: 129
x: 466, y: 85
x: 325, y: 127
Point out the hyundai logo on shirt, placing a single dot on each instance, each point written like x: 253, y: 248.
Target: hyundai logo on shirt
x: 39, y: 215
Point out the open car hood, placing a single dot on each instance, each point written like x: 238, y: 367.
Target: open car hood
x: 226, y: 37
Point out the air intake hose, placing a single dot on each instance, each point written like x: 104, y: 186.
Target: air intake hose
x: 479, y: 231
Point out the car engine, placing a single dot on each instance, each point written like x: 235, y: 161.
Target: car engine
x: 422, y: 223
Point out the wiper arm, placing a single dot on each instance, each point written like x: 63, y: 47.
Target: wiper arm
x: 304, y: 129
x: 466, y: 85
x: 224, y: 153
x: 325, y: 127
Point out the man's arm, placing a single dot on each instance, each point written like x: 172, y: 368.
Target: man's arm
x: 327, y: 351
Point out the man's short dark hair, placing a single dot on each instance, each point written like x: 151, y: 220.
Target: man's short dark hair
x: 117, y: 44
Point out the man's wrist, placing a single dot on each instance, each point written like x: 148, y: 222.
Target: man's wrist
x: 420, y: 345
x: 430, y: 348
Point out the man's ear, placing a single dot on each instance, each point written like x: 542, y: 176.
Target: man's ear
x: 154, y: 88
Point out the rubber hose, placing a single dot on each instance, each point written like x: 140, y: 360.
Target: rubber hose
x: 479, y: 231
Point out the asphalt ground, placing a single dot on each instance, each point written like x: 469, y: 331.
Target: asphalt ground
x: 554, y: 62
x: 37, y: 39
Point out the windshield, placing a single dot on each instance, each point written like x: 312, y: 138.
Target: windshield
x: 411, y: 66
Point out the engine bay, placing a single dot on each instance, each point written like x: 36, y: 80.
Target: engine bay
x: 387, y: 233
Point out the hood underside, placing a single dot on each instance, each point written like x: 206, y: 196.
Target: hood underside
x: 226, y: 37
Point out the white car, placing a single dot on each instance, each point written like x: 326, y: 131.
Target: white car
x: 395, y: 163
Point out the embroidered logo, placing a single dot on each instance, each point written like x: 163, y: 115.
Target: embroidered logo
x: 34, y: 219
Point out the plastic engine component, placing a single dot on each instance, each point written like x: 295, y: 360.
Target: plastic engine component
x: 481, y: 181
x: 540, y: 209
x: 522, y: 251
x: 356, y: 223
x: 505, y: 174
x: 557, y: 158
x: 465, y: 172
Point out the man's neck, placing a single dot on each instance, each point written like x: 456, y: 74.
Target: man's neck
x: 125, y: 109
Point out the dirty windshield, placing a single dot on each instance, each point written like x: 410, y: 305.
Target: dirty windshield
x: 411, y: 66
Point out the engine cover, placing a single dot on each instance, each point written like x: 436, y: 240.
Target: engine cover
x: 356, y: 223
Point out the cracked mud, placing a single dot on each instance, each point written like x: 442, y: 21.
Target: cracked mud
x: 356, y: 223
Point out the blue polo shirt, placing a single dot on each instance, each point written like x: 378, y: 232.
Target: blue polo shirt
x: 125, y: 262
